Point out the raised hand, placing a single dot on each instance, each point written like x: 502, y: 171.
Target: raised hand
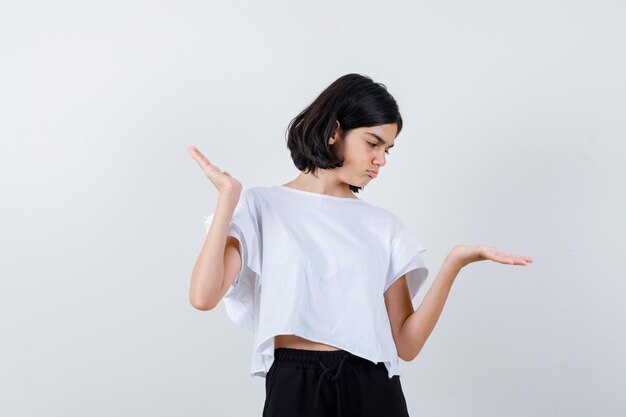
x: 222, y: 180
x: 464, y: 254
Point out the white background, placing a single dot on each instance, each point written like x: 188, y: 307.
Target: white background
x: 514, y: 133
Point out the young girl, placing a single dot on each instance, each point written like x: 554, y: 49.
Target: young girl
x: 324, y: 279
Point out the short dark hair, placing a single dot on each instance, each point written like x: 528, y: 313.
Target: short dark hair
x: 354, y: 101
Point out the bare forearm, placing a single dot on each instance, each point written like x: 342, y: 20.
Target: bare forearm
x: 418, y: 327
x: 207, y: 276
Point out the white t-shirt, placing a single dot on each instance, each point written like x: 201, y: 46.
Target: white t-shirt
x: 317, y: 266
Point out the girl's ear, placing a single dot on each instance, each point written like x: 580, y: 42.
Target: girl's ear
x: 338, y: 132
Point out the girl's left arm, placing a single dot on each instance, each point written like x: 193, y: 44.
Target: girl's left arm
x: 419, y: 325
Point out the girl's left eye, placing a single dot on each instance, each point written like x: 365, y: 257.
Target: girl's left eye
x: 373, y: 145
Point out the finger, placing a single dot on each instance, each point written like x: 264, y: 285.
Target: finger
x: 195, y: 153
x: 502, y: 258
x: 523, y: 259
x: 508, y: 259
x: 203, y: 161
x: 520, y: 260
x: 526, y: 258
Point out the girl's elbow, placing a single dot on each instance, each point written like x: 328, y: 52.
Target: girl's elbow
x: 409, y: 356
x: 199, y: 304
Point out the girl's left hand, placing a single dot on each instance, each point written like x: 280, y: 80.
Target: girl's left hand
x: 463, y: 255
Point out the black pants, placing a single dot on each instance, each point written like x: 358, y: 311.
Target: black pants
x: 316, y: 383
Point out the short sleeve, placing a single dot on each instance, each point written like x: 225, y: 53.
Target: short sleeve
x: 405, y: 258
x: 241, y: 298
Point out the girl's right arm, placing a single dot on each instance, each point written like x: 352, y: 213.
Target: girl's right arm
x: 219, y: 260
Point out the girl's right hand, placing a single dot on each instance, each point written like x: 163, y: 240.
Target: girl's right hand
x: 223, y: 181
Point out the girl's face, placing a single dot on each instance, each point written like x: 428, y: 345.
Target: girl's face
x: 363, y: 149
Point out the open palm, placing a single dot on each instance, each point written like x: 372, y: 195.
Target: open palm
x: 465, y: 254
x: 222, y: 180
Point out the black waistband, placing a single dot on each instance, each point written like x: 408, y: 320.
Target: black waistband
x: 311, y: 358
